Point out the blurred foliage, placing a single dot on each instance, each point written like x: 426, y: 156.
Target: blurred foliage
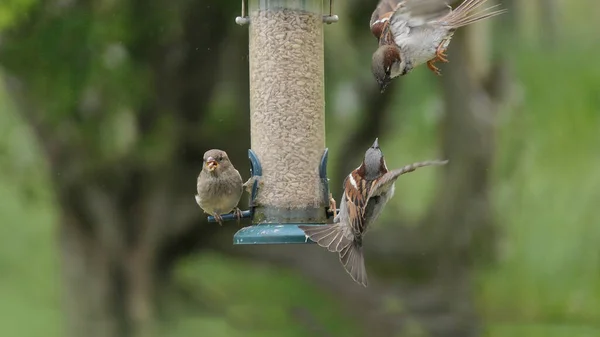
x: 546, y: 190
x: 93, y: 64
x: 13, y: 10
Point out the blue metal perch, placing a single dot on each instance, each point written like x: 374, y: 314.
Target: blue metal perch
x: 277, y: 233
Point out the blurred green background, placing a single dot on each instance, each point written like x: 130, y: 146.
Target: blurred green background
x: 107, y: 106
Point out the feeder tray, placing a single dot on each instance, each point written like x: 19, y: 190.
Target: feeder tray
x: 267, y: 233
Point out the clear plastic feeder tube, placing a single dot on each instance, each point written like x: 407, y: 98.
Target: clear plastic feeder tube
x: 287, y: 108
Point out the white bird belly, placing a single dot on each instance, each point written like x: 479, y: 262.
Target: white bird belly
x: 424, y: 46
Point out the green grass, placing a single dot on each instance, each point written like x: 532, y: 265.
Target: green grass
x: 29, y: 269
x: 542, y: 330
x: 29, y: 284
x: 253, y: 299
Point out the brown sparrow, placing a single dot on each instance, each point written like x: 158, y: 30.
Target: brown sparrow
x: 366, y: 191
x: 413, y: 32
x: 219, y: 185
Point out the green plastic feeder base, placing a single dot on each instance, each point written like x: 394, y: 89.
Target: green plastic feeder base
x: 271, y: 233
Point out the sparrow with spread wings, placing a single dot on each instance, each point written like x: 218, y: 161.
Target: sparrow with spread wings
x: 413, y: 32
x: 367, y: 189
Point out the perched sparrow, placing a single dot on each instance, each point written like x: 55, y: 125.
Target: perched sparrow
x: 366, y: 191
x: 413, y: 32
x: 219, y: 185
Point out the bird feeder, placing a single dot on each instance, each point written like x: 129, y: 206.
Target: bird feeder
x: 287, y: 115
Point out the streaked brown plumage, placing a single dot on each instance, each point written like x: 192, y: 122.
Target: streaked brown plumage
x: 367, y: 189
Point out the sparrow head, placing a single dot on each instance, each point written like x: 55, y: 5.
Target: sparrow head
x: 215, y: 161
x: 374, y: 163
x: 386, y: 64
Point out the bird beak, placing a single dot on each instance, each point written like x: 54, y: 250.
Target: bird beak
x: 383, y: 85
x: 211, y: 164
x: 376, y: 143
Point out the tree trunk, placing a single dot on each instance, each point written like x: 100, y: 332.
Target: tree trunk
x: 90, y: 284
x: 548, y: 22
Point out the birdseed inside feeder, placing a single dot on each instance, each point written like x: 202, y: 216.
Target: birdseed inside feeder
x: 287, y: 116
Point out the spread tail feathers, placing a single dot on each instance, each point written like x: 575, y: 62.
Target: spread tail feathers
x: 328, y: 236
x: 334, y: 239
x: 353, y: 261
x: 463, y: 14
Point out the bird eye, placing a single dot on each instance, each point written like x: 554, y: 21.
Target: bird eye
x: 220, y: 158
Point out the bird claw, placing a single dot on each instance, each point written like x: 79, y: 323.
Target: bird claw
x: 332, y: 205
x: 432, y: 67
x: 218, y: 218
x: 440, y: 55
x: 238, y: 214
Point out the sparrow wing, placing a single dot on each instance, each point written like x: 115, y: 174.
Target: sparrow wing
x: 466, y: 13
x: 391, y: 176
x: 356, y: 193
x: 412, y: 15
x: 381, y: 15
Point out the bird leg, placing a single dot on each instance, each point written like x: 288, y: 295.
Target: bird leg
x: 238, y: 214
x: 332, y: 205
x: 440, y: 55
x: 432, y: 67
x: 218, y: 218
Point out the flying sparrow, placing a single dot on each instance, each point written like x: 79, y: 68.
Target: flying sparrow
x: 413, y: 32
x: 219, y: 185
x: 367, y: 189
